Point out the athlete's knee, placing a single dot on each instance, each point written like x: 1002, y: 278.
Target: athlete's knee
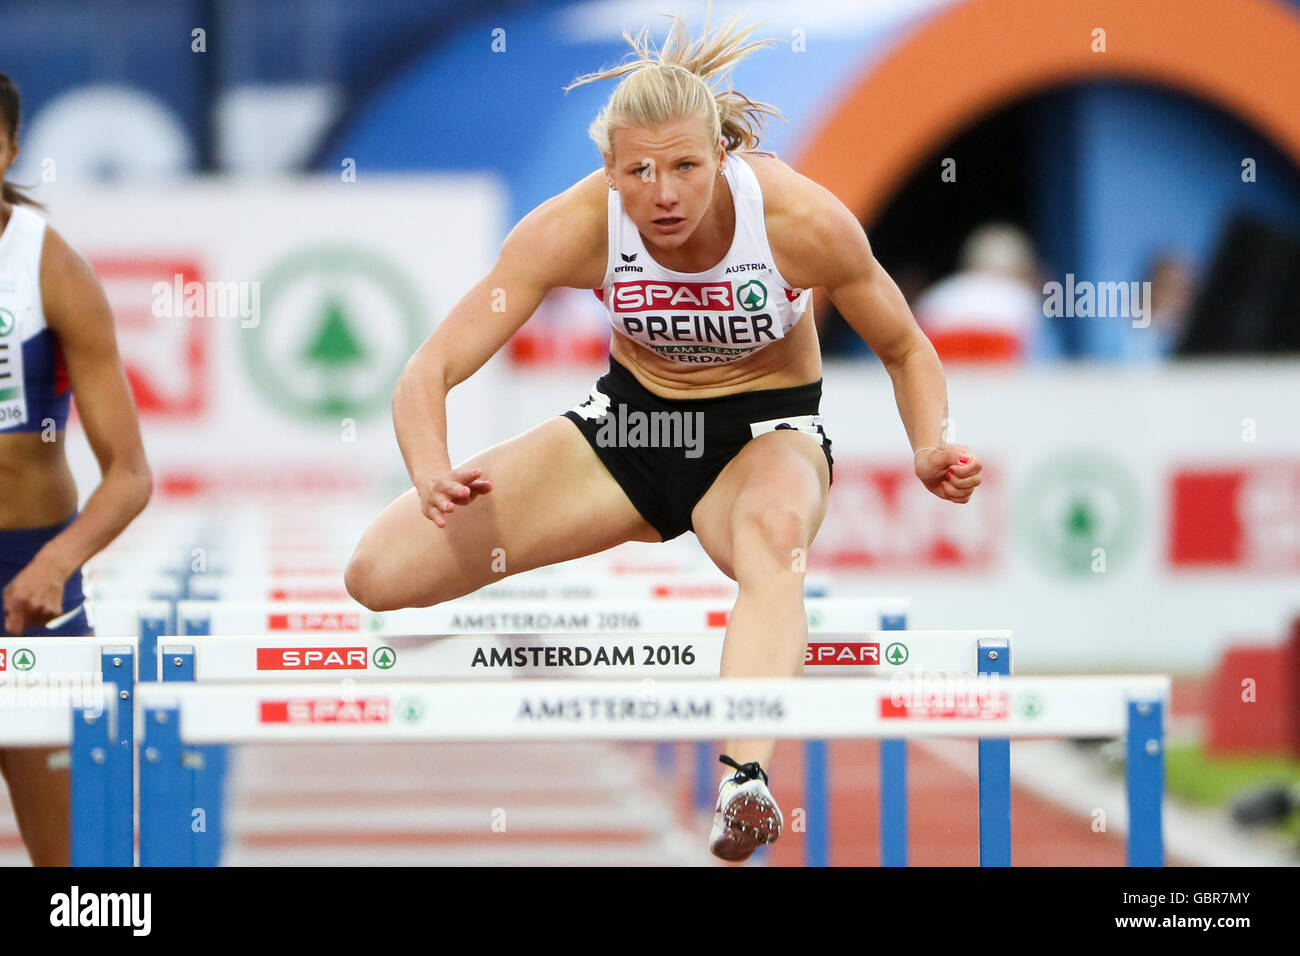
x: 367, y: 583
x: 772, y: 534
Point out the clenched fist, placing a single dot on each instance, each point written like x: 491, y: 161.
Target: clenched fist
x: 951, y: 472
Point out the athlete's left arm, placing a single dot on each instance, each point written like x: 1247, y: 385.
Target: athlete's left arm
x: 77, y: 311
x: 832, y: 251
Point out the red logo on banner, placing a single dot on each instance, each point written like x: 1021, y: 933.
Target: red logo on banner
x: 884, y: 519
x: 309, y: 594
x: 312, y: 621
x: 642, y: 296
x: 165, y: 357
x: 311, y: 658
x: 1245, y: 519
x: 716, y: 619
x: 3, y: 659
x: 985, y: 708
x: 325, y: 710
x: 710, y: 590
x: 842, y: 653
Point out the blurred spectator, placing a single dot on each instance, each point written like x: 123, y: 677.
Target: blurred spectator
x: 991, y: 310
x: 1173, y: 284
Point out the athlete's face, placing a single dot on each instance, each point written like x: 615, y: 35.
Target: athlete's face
x: 8, y: 149
x: 665, y: 176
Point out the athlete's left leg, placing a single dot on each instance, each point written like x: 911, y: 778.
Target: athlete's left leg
x: 40, y: 799
x: 756, y: 522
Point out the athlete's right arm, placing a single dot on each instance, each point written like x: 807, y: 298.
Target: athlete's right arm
x: 560, y: 243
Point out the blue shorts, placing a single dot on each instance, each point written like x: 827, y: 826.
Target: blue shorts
x: 17, y: 548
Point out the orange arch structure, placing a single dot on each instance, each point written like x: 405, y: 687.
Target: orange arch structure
x: 973, y: 58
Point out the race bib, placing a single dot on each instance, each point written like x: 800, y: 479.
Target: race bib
x: 13, y: 403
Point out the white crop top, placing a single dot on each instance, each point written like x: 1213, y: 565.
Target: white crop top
x: 705, y: 318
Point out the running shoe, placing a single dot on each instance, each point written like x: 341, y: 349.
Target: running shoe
x: 746, y: 816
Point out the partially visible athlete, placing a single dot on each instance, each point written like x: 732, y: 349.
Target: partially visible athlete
x: 56, y: 337
x: 705, y: 253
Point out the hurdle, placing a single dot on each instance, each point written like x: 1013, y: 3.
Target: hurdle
x: 176, y: 716
x: 147, y: 620
x: 557, y: 656
x: 77, y: 693
x: 515, y: 616
x: 682, y: 616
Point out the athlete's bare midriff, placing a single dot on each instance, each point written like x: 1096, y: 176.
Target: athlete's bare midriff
x: 36, y: 484
x: 792, y: 360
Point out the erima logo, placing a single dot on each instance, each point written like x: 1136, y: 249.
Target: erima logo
x: 627, y: 258
x: 102, y: 909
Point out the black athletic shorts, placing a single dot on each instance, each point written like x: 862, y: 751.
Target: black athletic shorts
x: 665, y: 453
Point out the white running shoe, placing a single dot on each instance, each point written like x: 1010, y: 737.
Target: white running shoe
x: 746, y: 816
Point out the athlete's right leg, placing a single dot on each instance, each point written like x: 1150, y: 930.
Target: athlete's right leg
x: 551, y: 500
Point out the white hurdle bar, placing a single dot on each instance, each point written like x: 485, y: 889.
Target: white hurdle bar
x: 515, y: 616
x: 180, y: 715
x: 647, y: 656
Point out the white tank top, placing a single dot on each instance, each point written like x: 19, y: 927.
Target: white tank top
x: 703, y: 318
x: 33, y: 377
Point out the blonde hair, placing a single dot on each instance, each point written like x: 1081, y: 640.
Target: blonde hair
x: 677, y: 81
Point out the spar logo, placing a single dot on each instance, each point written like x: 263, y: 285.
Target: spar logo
x: 7, y: 322
x: 325, y: 710
x: 22, y: 659
x: 338, y: 323
x: 985, y: 707
x: 752, y: 296
x: 719, y: 619
x: 831, y: 653
x: 314, y: 621
x: 644, y: 296
x: 1080, y: 514
x: 311, y: 658
x: 384, y: 658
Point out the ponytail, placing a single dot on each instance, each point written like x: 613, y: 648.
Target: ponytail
x: 678, y: 80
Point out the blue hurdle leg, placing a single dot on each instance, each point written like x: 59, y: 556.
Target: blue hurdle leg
x: 119, y: 669
x: 1146, y: 783
x: 893, y: 780
x: 89, y: 792
x: 665, y: 756
x: 706, y: 794
x: 994, y: 657
x: 164, y: 793
x: 151, y: 628
x: 816, y: 805
x: 893, y: 803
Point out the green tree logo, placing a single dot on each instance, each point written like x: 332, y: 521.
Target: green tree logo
x: 1080, y: 513
x: 410, y: 709
x: 384, y: 658
x: 338, y: 324
x: 7, y: 322
x: 24, y: 659
x: 896, y: 653
x: 752, y: 296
